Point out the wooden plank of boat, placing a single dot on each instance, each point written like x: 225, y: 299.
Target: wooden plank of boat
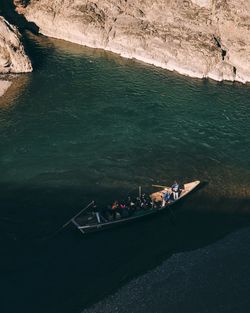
x: 156, y: 197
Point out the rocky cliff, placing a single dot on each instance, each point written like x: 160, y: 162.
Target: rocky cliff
x: 12, y: 56
x: 200, y: 38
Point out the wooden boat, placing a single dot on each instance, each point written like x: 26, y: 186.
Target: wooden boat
x: 88, y: 222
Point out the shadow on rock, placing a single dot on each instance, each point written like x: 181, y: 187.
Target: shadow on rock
x: 8, y: 11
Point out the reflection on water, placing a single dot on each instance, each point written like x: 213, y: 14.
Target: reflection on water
x: 15, y: 91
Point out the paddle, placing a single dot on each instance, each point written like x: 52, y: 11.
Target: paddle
x: 68, y: 222
x: 160, y: 186
x: 84, y: 209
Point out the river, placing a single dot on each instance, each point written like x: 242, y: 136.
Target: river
x: 88, y: 124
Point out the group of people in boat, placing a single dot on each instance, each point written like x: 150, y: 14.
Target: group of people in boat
x: 125, y: 209
x: 122, y: 209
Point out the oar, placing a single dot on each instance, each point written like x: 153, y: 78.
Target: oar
x: 160, y: 186
x: 68, y: 222
x: 84, y: 209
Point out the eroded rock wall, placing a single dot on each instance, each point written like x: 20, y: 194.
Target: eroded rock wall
x: 200, y: 38
x: 12, y: 55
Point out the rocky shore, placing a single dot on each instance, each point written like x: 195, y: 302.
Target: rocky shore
x: 13, y: 58
x: 198, y: 38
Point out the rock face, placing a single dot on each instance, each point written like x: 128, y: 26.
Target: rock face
x: 12, y: 56
x: 199, y: 38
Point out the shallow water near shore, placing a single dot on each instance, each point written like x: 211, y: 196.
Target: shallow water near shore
x: 87, y: 124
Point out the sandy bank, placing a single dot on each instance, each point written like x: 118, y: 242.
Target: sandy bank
x: 4, y: 85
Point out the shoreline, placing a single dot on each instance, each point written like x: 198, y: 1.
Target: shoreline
x: 170, y: 65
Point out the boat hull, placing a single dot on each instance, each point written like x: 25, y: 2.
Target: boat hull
x: 141, y: 215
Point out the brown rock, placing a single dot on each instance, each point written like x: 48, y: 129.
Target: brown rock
x: 12, y: 56
x: 200, y: 38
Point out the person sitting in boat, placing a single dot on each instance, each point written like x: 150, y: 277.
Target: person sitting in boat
x: 165, y: 198
x: 114, y: 208
x: 138, y: 203
x: 123, y: 210
x: 131, y: 206
x: 145, y: 202
x: 175, y: 190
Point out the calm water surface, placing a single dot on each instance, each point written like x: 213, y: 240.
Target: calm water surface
x: 89, y: 125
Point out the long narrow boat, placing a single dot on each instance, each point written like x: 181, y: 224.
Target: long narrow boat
x: 88, y: 222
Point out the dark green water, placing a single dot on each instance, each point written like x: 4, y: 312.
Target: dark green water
x: 88, y: 124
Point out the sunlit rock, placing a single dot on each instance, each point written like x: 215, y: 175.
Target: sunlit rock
x: 203, y: 3
x: 12, y: 56
x: 199, y: 38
